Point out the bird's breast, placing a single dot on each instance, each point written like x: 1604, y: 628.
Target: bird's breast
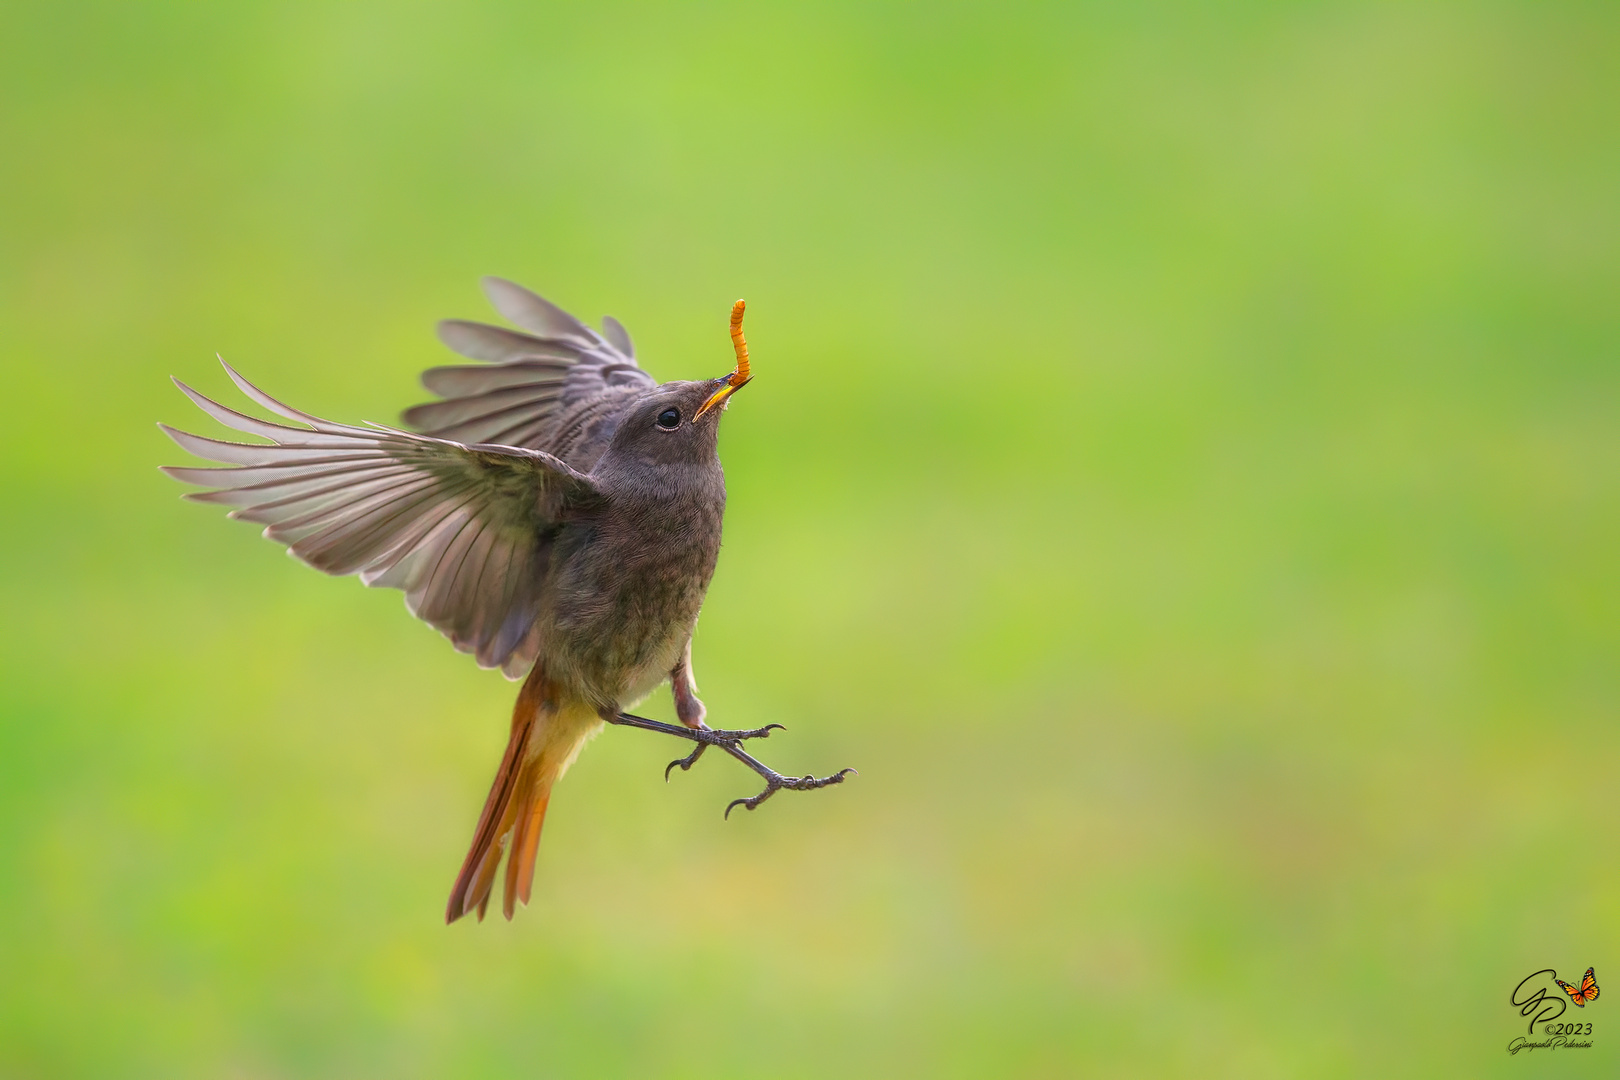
x: 628, y: 592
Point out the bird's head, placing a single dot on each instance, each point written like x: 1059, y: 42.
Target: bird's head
x: 680, y: 421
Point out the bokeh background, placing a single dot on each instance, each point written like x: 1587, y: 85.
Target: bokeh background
x: 1181, y: 477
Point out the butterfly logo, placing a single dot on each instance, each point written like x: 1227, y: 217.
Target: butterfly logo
x: 1588, y: 990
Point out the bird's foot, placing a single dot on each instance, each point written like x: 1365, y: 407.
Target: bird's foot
x: 708, y: 737
x: 731, y: 742
x: 775, y: 781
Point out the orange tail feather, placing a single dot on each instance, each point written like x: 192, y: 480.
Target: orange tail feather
x: 478, y: 869
x: 544, y: 742
x: 525, y: 843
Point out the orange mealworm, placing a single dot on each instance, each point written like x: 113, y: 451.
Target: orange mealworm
x: 739, y: 343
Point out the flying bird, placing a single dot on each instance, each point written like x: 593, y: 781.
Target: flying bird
x: 557, y: 514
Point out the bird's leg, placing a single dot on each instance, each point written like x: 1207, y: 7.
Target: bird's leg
x: 706, y: 736
x: 690, y: 711
x: 730, y: 742
x: 683, y: 684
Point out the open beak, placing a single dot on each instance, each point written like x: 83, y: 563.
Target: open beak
x: 740, y: 375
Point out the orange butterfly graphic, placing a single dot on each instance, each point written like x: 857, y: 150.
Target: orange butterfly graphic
x: 1588, y: 990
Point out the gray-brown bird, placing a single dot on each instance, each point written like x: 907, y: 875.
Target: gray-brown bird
x: 557, y: 515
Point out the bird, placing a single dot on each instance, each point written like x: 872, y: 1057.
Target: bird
x: 556, y: 513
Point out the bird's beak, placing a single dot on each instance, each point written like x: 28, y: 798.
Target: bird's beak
x: 729, y: 384
x: 740, y: 376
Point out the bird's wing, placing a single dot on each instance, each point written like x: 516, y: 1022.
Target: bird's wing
x: 527, y: 380
x: 465, y: 531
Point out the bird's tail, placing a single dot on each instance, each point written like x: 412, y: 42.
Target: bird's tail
x: 547, y: 735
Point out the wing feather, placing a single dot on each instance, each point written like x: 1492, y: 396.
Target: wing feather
x: 618, y: 336
x: 464, y: 529
x: 441, y: 415
x: 531, y: 377
x: 535, y: 313
x: 461, y: 380
x: 498, y: 345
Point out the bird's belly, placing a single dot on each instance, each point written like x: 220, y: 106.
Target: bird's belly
x: 644, y: 680
x: 618, y: 662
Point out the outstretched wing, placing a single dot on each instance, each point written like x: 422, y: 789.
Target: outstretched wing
x: 1589, y: 986
x: 465, y: 531
x: 528, y: 390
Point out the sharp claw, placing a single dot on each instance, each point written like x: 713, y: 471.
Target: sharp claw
x: 772, y: 786
x: 686, y: 762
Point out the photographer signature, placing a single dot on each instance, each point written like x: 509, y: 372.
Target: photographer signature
x: 1557, y: 1042
x: 1543, y: 1006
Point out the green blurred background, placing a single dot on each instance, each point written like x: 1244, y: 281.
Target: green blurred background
x: 1181, y: 476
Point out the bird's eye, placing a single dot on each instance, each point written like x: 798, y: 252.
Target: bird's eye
x: 669, y: 419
